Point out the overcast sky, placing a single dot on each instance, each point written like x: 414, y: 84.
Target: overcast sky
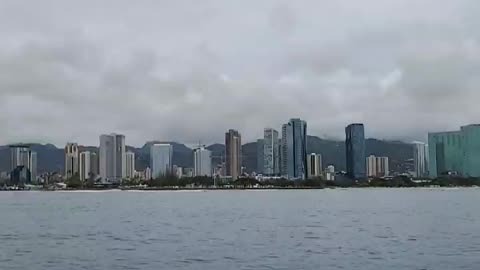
x: 187, y: 70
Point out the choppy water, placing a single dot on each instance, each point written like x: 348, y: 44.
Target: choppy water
x: 317, y: 229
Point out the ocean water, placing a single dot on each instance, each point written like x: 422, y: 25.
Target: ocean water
x: 297, y: 229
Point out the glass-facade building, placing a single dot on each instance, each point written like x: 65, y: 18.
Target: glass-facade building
x: 23, y: 165
x: 455, y: 152
x: 355, y: 151
x: 270, y: 152
x: 260, y: 159
x: 161, y: 160
x: 294, y: 149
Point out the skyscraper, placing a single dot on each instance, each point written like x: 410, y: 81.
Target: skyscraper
x: 377, y: 166
x: 271, y: 152
x: 112, y: 157
x: 84, y: 167
x: 32, y: 165
x: 260, y: 159
x: 202, y: 160
x: 23, y: 165
x: 456, y: 152
x: 71, y: 160
x: 94, y: 163
x: 233, y: 154
x: 130, y: 165
x: 294, y: 149
x: 355, y: 151
x: 420, y: 161
x: 314, y: 165
x: 161, y: 159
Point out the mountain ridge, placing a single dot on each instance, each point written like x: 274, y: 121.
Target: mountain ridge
x: 51, y: 158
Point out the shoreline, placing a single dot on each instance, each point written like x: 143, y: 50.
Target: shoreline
x: 234, y: 189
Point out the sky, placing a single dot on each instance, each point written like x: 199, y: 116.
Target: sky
x: 188, y: 70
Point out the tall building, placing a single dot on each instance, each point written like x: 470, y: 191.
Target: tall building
x: 71, y: 160
x: 23, y: 165
x: 260, y: 160
x: 271, y: 152
x: 377, y: 166
x: 130, y: 165
x: 355, y: 151
x: 112, y: 158
x: 94, y: 164
x: 456, y: 152
x: 420, y: 159
x: 32, y: 165
x: 202, y: 160
x: 314, y: 165
x: 294, y: 149
x: 161, y: 160
x: 233, y: 154
x: 84, y: 165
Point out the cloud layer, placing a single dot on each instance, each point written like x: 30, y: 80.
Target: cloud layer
x: 187, y: 70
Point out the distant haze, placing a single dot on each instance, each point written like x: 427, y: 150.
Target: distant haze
x: 188, y: 70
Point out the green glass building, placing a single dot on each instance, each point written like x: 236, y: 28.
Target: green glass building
x: 455, y: 152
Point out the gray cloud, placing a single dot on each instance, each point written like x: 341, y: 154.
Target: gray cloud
x: 188, y: 70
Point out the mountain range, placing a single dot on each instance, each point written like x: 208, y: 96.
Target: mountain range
x: 400, y: 154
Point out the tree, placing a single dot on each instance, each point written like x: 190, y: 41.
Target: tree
x: 74, y: 182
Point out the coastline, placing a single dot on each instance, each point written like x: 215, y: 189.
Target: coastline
x: 238, y: 189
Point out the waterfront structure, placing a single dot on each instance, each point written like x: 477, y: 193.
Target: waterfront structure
x: 130, y: 165
x: 420, y: 159
x: 202, y: 161
x: 71, y: 160
x: 294, y: 149
x: 233, y: 154
x: 455, y: 152
x: 271, y: 152
x: 112, y: 158
x: 314, y: 165
x: 161, y: 160
x: 84, y: 165
x: 23, y: 165
x: 377, y: 166
x: 260, y: 158
x: 355, y: 151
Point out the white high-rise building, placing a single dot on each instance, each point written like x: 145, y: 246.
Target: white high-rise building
x: 112, y: 157
x: 314, y: 165
x: 271, y: 153
x: 202, y: 159
x: 71, y: 160
x: 377, y: 166
x: 85, y: 162
x: 161, y: 159
x: 130, y: 165
x: 420, y: 159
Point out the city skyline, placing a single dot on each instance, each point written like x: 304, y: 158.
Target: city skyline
x: 60, y: 68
